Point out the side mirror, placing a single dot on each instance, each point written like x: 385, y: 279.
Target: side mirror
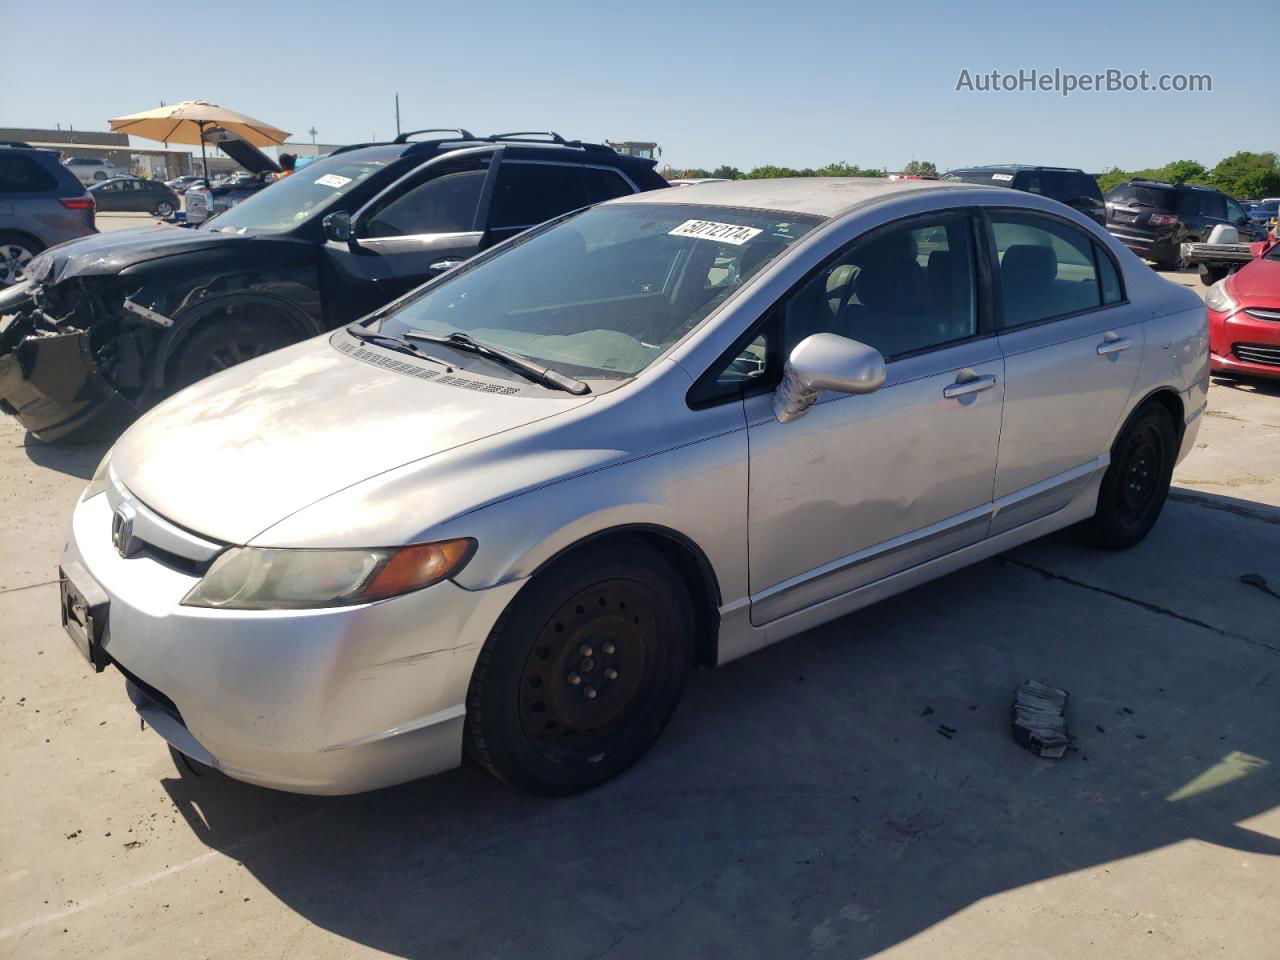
x: 825, y: 361
x: 337, y: 226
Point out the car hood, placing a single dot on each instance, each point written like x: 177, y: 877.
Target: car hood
x: 109, y: 253
x: 236, y: 453
x: 1257, y: 284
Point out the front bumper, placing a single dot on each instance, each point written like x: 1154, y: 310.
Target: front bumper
x: 1256, y: 340
x: 51, y: 385
x: 337, y: 700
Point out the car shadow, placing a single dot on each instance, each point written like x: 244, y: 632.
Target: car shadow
x: 1260, y: 385
x: 850, y: 787
x: 77, y: 460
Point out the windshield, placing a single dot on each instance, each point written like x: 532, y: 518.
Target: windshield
x: 284, y: 205
x: 605, y: 292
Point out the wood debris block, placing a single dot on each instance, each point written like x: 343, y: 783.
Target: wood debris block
x: 1040, y: 719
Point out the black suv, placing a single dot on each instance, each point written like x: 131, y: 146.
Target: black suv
x: 115, y: 322
x: 1067, y: 185
x: 41, y: 203
x: 1153, y: 218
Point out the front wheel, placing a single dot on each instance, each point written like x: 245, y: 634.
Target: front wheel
x: 1136, y: 483
x: 222, y: 342
x: 579, y: 677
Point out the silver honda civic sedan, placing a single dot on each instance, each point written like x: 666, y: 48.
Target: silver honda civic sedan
x: 507, y: 514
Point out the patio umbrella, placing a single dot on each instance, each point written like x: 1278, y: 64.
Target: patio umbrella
x: 187, y: 121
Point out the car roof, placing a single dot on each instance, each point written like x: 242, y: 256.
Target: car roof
x: 821, y: 196
x: 568, y: 151
x: 997, y: 167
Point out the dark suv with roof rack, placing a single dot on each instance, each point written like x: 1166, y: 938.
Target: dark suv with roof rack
x: 110, y: 324
x: 1068, y: 185
x: 1154, y: 218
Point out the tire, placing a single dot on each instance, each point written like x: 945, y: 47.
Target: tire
x: 1211, y: 275
x: 164, y: 210
x: 221, y: 342
x: 1136, y: 483
x: 611, y: 618
x: 99, y: 176
x: 16, y: 251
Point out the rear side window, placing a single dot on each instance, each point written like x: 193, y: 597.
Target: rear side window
x: 1188, y: 204
x: 21, y: 174
x: 1047, y: 269
x: 604, y: 185
x: 1213, y: 205
x: 529, y: 193
x: 1108, y: 278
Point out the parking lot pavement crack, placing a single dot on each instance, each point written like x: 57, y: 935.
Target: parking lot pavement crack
x: 1248, y: 513
x: 1144, y: 604
x: 26, y: 586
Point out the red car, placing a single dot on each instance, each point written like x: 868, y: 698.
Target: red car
x: 1244, y: 317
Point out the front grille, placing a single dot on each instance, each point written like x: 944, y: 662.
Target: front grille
x: 1257, y: 353
x: 1259, y: 314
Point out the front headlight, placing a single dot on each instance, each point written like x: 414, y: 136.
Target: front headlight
x: 253, y: 578
x: 1217, y: 299
x: 98, y: 482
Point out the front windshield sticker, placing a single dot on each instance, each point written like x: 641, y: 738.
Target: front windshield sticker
x: 333, y: 180
x: 711, y: 230
x: 1001, y: 176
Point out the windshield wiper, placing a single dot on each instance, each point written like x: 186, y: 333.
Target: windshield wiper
x: 393, y: 343
x: 535, y: 372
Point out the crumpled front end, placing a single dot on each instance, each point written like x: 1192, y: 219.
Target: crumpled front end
x: 72, y: 357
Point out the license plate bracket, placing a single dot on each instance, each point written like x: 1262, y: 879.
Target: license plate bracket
x: 84, y: 612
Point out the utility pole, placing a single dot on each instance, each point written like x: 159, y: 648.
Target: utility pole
x: 397, y: 114
x: 312, y: 131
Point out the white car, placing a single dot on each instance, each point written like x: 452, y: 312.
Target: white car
x: 90, y: 170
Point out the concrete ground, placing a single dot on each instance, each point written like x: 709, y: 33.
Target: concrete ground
x: 852, y: 792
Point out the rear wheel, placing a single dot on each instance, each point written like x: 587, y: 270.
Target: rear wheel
x: 582, y: 673
x: 1211, y: 275
x: 16, y: 251
x: 221, y: 343
x: 164, y: 210
x: 1136, y: 483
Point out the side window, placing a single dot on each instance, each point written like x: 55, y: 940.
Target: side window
x: 529, y: 193
x: 19, y: 174
x: 899, y: 290
x: 444, y: 203
x: 1188, y: 203
x: 1235, y: 212
x: 1214, y: 205
x: 1108, y: 278
x: 1030, y: 182
x: 1047, y: 269
x: 604, y: 185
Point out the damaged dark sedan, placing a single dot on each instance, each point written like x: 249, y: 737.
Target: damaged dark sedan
x: 106, y: 326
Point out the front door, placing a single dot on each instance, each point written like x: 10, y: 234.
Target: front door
x: 425, y: 223
x: 1072, y: 346
x: 863, y: 487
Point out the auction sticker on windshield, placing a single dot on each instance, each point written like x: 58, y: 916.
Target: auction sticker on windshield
x: 711, y: 230
x: 333, y: 180
x: 1002, y: 176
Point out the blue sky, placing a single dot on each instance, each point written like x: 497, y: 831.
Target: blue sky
x: 801, y: 83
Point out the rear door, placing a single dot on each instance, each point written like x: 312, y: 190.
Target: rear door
x: 529, y: 192
x: 1072, y: 347
x: 426, y: 222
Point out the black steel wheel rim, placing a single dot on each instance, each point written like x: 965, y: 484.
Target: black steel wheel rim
x: 583, y: 684
x: 1140, y: 468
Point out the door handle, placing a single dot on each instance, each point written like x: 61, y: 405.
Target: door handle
x: 1112, y: 343
x: 962, y: 387
x: 443, y: 266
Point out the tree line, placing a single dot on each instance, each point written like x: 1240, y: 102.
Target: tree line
x: 1244, y: 174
